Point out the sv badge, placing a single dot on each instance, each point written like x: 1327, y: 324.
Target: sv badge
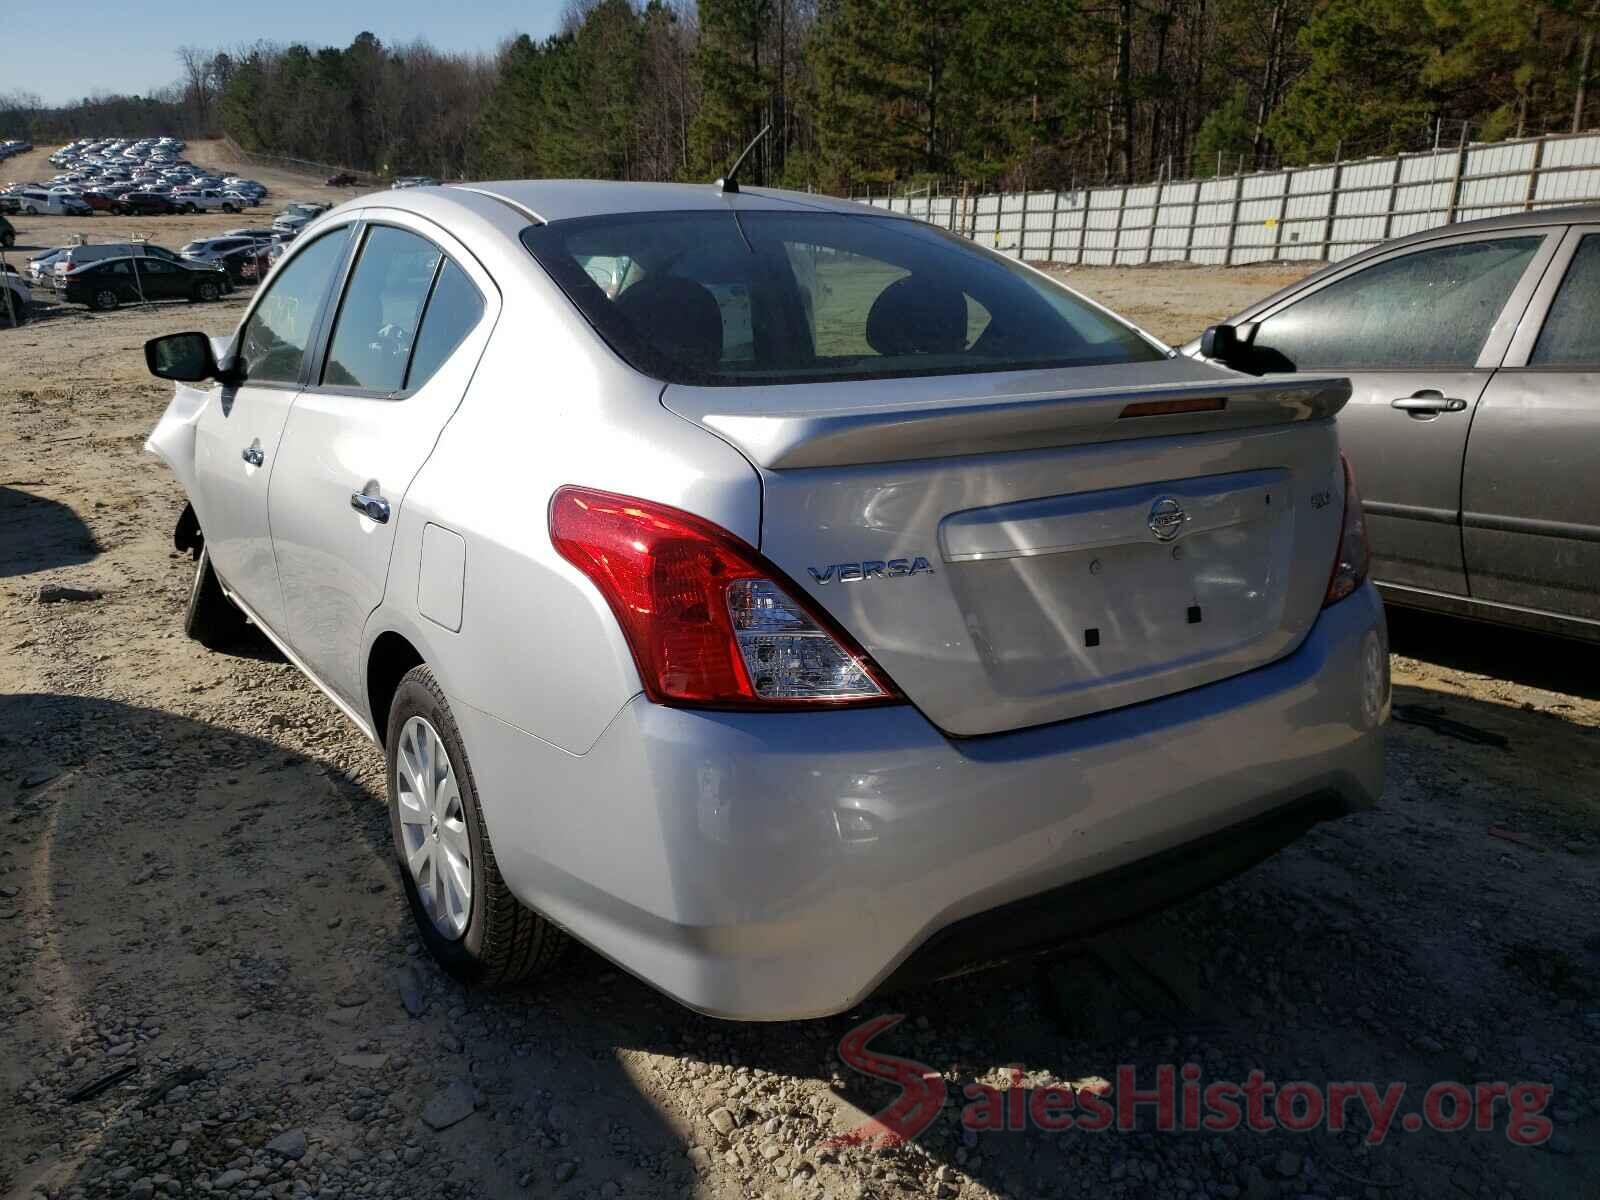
x: 858, y: 572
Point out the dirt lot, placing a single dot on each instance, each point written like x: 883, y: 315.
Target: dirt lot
x: 196, y: 885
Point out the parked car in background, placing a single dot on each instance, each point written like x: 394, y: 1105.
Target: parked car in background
x: 107, y: 283
x: 1474, y: 426
x: 41, y: 267
x: 40, y: 202
x: 99, y: 201
x: 950, y: 599
x: 212, y: 249
x: 248, y: 264
x: 343, y: 179
x: 74, y: 257
x: 245, y: 258
x: 204, y: 200
x: 144, y: 204
x: 413, y: 181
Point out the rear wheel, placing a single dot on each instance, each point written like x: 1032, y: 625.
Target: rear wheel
x: 104, y: 300
x: 212, y: 619
x: 464, y: 912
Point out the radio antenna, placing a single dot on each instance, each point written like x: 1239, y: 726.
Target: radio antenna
x: 729, y: 183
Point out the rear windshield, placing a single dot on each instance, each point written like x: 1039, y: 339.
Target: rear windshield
x: 775, y: 297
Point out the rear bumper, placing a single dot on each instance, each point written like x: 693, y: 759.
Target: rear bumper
x: 778, y: 866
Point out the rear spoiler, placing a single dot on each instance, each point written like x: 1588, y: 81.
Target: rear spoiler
x: 775, y: 436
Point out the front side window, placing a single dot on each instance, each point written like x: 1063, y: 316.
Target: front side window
x: 1432, y: 308
x: 273, y: 342
x: 381, y: 310
x: 778, y: 297
x: 1571, y: 333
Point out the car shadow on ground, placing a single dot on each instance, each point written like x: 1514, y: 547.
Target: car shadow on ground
x: 1536, y: 660
x: 40, y: 534
x: 212, y: 915
x: 222, y: 914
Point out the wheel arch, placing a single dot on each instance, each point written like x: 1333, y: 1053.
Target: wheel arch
x: 390, y: 656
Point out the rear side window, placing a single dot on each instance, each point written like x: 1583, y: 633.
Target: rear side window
x: 1432, y: 308
x: 453, y: 310
x: 272, y: 344
x: 779, y: 297
x: 381, y: 311
x: 1571, y: 333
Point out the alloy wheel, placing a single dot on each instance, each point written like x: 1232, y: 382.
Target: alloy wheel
x: 433, y: 825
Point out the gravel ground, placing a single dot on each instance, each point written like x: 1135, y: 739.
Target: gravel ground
x: 196, y: 889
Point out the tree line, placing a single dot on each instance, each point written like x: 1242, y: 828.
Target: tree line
x: 896, y: 93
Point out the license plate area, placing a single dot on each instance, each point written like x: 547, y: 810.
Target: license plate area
x: 1068, y: 592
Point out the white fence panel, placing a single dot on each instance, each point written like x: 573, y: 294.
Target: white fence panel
x: 1324, y: 211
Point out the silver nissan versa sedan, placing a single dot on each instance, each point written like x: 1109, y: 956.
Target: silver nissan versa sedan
x: 784, y: 598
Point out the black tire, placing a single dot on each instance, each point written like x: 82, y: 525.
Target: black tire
x: 211, y: 619
x: 229, y: 208
x: 206, y: 292
x: 8, y: 240
x: 104, y: 300
x: 503, y: 942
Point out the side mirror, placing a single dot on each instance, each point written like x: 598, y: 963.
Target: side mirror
x: 1231, y: 346
x: 183, y: 357
x: 1220, y: 342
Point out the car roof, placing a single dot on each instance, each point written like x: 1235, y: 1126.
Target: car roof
x: 1570, y: 214
x: 552, y: 200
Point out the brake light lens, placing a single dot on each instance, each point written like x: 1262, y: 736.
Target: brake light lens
x: 710, y: 622
x: 1354, y: 553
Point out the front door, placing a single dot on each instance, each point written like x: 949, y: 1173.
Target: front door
x: 237, y: 434
x: 161, y: 280
x: 1530, y: 503
x: 1418, y: 333
x: 409, y: 329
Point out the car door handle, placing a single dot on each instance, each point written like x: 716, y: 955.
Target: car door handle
x: 1428, y: 403
x: 253, y: 455
x: 374, y: 508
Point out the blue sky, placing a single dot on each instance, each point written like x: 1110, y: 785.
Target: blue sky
x: 63, y: 49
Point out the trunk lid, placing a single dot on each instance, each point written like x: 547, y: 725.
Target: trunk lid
x: 1030, y: 547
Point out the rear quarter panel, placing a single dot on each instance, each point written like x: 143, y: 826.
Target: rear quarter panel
x: 538, y: 647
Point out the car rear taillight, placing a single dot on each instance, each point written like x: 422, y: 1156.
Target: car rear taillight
x: 1354, y: 553
x: 710, y: 622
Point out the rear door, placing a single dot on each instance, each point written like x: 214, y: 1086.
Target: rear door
x: 238, y: 431
x: 1418, y: 332
x: 1530, y: 504
x: 414, y: 316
